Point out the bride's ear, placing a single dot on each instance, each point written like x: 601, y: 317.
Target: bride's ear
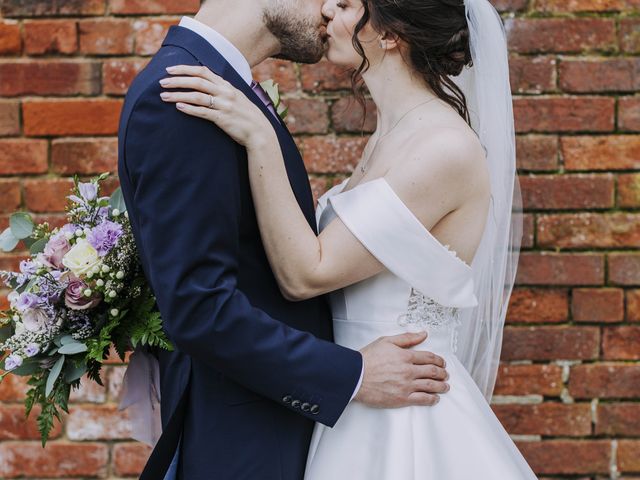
x: 388, y: 41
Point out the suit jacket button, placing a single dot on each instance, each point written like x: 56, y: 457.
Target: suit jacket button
x: 295, y: 403
x: 315, y: 409
x: 305, y: 407
x: 287, y: 399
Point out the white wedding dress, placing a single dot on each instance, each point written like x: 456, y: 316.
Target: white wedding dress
x: 424, y: 286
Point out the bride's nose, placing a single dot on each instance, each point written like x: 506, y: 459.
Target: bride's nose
x: 328, y: 9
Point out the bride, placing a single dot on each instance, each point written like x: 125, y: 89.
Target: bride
x: 421, y: 236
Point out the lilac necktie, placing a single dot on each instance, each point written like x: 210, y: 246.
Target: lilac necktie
x: 262, y: 95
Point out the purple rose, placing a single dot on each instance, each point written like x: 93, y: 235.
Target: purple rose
x: 56, y: 248
x: 88, y: 191
x: 12, y: 361
x: 32, y: 349
x: 104, y: 237
x: 26, y: 300
x: 74, y: 296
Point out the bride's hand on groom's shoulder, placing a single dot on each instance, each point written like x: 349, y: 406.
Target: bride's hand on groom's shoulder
x: 206, y: 95
x: 395, y: 376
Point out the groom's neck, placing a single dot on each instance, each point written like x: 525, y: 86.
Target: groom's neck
x: 241, y: 22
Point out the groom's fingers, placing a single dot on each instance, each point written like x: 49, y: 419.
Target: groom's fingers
x: 423, y: 399
x: 430, y: 386
x: 420, y: 357
x: 406, y: 340
x: 429, y: 371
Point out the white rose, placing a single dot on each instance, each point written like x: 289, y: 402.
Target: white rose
x: 82, y: 258
x: 34, y: 320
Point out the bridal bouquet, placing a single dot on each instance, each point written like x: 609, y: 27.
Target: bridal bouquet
x: 80, y: 291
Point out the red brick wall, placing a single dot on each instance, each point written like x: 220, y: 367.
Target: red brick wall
x: 569, y: 389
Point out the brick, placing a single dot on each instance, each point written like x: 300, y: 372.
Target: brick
x: 542, y: 268
x: 97, y: 423
x: 324, y: 76
x: 115, y: 378
x: 624, y: 268
x: 130, y: 458
x: 618, y: 419
x: 106, y: 36
x: 550, y: 343
x: 628, y: 193
x: 629, y: 35
x: 41, y: 8
x: 529, y: 380
x: 629, y: 114
x: 600, y: 75
x: 50, y: 36
x: 570, y: 6
x: 564, y: 114
x: 553, y: 419
x: 9, y: 118
x: 589, y: 230
x: 510, y: 5
x: 13, y: 389
x: 621, y: 343
x: 597, y: 305
x: 71, y: 117
x: 537, y: 152
x: 629, y: 456
x: 117, y: 74
x: 89, y: 392
x: 10, y: 41
x: 22, y: 156
x: 59, y: 460
x: 84, y: 156
x: 347, y: 115
x: 560, y: 35
x: 538, y: 305
x: 528, y: 230
x: 632, y: 313
x: 578, y: 191
x: 567, y: 456
x: 144, y: 7
x: 610, y: 152
x: 307, y: 115
x: 331, y: 154
x: 10, y: 261
x: 532, y: 74
x: 605, y: 380
x: 10, y: 196
x: 49, y: 78
x: 150, y: 34
x: 280, y: 71
x: 13, y: 425
x: 47, y: 195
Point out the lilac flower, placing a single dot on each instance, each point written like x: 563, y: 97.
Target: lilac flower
x: 27, y: 300
x: 88, y: 191
x: 32, y: 349
x: 68, y: 228
x: 28, y: 267
x: 12, y: 361
x: 105, y: 236
x: 75, y: 298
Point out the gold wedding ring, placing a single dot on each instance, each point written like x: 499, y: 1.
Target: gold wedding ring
x: 211, y: 101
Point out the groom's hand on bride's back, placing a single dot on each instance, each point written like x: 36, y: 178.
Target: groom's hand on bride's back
x: 395, y: 376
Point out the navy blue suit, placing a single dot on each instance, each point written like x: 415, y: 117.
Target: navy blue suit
x: 251, y: 371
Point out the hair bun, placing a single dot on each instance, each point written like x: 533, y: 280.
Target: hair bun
x: 457, y: 53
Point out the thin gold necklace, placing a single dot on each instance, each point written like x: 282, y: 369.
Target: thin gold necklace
x: 364, y: 164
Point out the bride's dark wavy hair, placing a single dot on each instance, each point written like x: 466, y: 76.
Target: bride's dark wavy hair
x: 437, y: 36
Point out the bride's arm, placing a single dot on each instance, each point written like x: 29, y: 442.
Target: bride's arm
x: 305, y: 265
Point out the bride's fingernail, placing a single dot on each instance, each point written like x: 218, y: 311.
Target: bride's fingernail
x: 164, y: 82
x: 164, y: 95
x: 180, y: 106
x: 170, y: 69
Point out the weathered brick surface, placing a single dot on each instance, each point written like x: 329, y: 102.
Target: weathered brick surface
x: 570, y: 371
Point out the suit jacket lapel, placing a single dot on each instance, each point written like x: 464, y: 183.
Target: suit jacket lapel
x: 208, y: 56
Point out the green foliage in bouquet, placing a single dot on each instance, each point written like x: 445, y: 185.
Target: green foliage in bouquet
x: 81, y: 291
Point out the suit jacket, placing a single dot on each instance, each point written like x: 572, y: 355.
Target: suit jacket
x: 251, y: 371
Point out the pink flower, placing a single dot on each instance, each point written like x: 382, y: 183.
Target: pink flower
x: 55, y: 250
x: 74, y: 296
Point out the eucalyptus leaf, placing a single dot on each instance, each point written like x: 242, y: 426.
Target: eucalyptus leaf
x: 74, y: 372
x: 117, y: 200
x: 53, y: 375
x: 71, y: 348
x: 66, y: 339
x: 21, y: 225
x: 58, y: 340
x: 28, y: 368
x: 8, y: 240
x: 38, y: 246
x: 53, y: 352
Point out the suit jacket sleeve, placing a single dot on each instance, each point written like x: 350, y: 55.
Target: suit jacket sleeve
x: 185, y: 175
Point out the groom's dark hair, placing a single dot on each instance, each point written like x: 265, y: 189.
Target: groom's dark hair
x: 437, y: 35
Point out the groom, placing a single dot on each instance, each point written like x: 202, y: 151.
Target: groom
x: 251, y: 371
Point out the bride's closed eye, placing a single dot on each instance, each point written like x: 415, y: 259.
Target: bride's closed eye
x: 341, y: 5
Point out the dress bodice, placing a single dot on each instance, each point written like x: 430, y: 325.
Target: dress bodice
x: 424, y: 284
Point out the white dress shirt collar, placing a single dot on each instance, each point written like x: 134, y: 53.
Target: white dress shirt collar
x: 230, y: 53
